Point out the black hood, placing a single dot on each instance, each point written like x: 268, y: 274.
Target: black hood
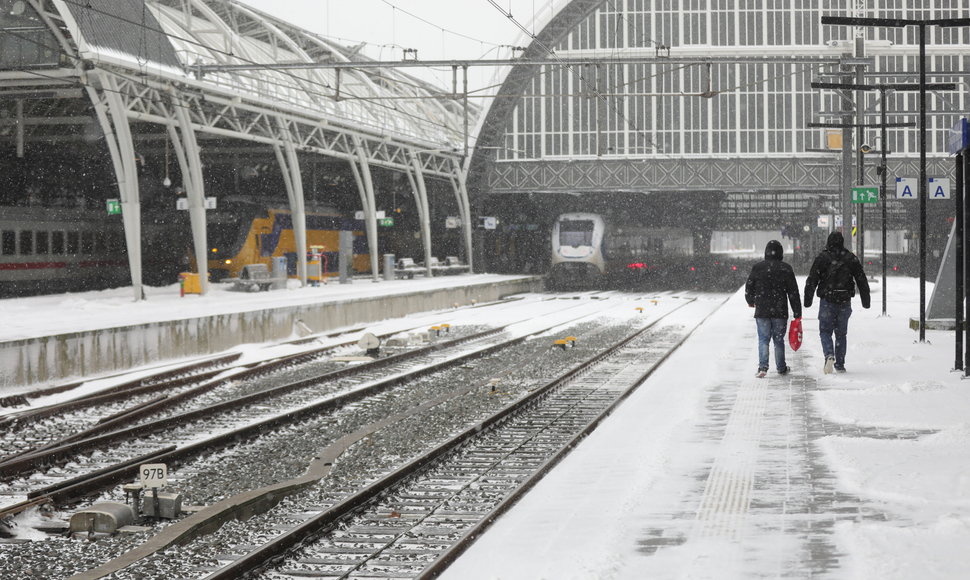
x: 835, y: 241
x: 774, y: 251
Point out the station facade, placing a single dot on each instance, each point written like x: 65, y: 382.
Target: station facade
x: 706, y: 95
x: 611, y: 103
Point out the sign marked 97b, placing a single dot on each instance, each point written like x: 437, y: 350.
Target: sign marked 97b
x: 153, y: 474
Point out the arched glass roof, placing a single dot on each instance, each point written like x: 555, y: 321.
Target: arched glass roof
x: 167, y: 38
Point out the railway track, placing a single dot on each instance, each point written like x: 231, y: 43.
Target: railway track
x: 31, y: 431
x: 429, y: 421
x: 415, y: 520
x: 184, y: 435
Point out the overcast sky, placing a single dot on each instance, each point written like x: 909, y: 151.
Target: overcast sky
x: 438, y: 29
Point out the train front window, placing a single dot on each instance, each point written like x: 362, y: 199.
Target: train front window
x: 575, y: 233
x: 223, y: 237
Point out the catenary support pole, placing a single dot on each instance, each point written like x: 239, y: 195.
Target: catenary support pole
x: 860, y: 52
x: 883, y: 199
x: 922, y: 182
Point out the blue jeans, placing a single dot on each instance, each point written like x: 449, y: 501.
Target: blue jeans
x: 834, y: 318
x: 771, y: 329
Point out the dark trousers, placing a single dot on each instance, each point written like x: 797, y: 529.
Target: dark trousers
x: 834, y: 319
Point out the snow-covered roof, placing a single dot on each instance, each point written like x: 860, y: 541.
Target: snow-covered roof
x: 171, y: 38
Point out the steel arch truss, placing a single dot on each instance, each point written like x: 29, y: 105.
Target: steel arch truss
x: 737, y: 174
x: 226, y: 117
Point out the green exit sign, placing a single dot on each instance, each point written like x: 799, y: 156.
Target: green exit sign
x: 865, y: 195
x: 114, y: 207
x: 386, y: 222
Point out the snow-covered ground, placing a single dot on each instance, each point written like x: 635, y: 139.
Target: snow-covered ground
x: 709, y: 472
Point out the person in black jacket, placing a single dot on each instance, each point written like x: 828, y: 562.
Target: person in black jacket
x: 835, y: 273
x: 771, y: 286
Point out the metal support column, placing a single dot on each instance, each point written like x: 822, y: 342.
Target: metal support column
x: 112, y: 116
x: 190, y: 162
x: 416, y: 176
x: 365, y: 186
x: 293, y: 181
x: 297, y: 210
x: 464, y: 207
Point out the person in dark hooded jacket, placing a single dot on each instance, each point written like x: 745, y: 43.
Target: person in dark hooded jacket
x: 834, y: 277
x: 770, y: 288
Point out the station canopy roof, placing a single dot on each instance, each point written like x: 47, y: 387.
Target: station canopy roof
x: 169, y: 39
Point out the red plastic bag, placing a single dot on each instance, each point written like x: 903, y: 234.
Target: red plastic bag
x: 795, y: 334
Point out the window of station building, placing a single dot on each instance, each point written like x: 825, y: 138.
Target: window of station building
x: 73, y: 242
x: 87, y: 242
x: 26, y: 242
x: 24, y: 39
x: 57, y: 243
x: 8, y: 243
x: 42, y: 243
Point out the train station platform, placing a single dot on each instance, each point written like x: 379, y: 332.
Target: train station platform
x: 709, y: 472
x: 51, y: 339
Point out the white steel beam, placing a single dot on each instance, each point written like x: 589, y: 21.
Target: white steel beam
x: 424, y: 215
x: 365, y: 185
x: 464, y: 207
x: 111, y: 113
x: 194, y: 190
x: 290, y: 166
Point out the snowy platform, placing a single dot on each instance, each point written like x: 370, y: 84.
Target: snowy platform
x: 49, y: 339
x: 709, y: 472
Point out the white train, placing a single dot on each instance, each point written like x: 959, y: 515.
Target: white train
x: 594, y: 250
